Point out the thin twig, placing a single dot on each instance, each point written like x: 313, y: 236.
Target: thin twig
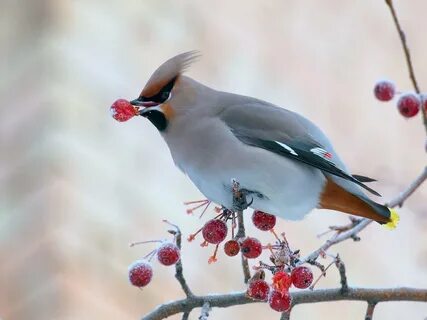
x: 370, y: 310
x: 178, y: 266
x: 206, y: 308
x: 400, y: 199
x: 185, y: 315
x: 286, y: 315
x: 343, y: 277
x: 301, y: 297
x: 408, y: 58
x: 241, y: 233
x: 363, y: 223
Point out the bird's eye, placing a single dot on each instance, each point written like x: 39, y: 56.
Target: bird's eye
x: 165, y: 95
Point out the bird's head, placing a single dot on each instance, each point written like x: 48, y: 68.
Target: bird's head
x: 166, y: 91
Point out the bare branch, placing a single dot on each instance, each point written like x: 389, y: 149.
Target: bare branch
x: 300, y: 297
x: 241, y: 233
x: 370, y: 310
x: 206, y: 308
x: 185, y: 315
x: 407, y: 55
x: 286, y: 315
x: 178, y: 266
x: 343, y: 277
x: 400, y: 199
x: 363, y: 223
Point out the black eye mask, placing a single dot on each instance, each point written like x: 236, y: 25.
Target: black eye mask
x: 163, y: 94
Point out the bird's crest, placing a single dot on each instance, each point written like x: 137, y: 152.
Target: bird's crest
x: 169, y: 70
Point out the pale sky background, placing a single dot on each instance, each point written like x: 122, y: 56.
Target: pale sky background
x: 76, y: 187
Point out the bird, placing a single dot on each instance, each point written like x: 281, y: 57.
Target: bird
x: 283, y: 162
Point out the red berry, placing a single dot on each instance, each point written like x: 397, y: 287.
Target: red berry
x: 258, y: 290
x: 280, y: 301
x: 140, y: 273
x: 384, y: 90
x: 231, y: 248
x: 408, y: 105
x: 302, y: 277
x: 263, y: 221
x: 282, y: 281
x: 168, y: 254
x: 214, y: 231
x: 251, y: 248
x: 122, y: 110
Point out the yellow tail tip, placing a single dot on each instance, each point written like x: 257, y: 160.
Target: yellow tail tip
x: 394, y: 220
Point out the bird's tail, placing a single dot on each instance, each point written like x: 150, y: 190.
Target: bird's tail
x: 337, y: 198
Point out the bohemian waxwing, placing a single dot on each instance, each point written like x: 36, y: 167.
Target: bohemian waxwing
x: 284, y: 163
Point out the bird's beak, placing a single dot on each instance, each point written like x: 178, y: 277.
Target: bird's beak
x: 138, y: 102
x: 145, y: 111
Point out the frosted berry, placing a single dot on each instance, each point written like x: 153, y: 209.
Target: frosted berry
x: 140, y: 273
x: 231, y: 248
x: 214, y: 231
x: 251, y: 248
x: 302, y: 277
x: 263, y: 221
x: 384, y: 90
x: 408, y: 105
x: 258, y: 290
x: 282, y: 281
x: 280, y: 301
x: 168, y: 254
x: 122, y: 110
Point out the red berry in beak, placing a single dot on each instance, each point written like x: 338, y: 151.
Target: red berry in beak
x: 280, y: 302
x: 384, y: 90
x: 122, y: 110
x: 231, y: 248
x: 140, y: 273
x: 251, y: 248
x: 302, y: 277
x: 263, y: 221
x: 409, y: 105
x: 214, y: 231
x: 168, y: 254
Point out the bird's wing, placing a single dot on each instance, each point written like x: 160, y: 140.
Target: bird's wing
x: 287, y: 134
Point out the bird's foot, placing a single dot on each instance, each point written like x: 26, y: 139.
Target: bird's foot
x: 240, y: 197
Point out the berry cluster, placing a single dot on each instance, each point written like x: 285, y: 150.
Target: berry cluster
x: 277, y: 293
x: 286, y: 268
x: 408, y: 104
x: 215, y: 231
x: 141, y: 271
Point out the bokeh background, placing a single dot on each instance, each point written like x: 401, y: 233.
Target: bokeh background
x: 76, y: 187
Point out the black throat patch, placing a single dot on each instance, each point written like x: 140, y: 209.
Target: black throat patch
x: 158, y: 119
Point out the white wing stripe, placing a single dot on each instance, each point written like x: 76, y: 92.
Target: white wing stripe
x: 291, y: 151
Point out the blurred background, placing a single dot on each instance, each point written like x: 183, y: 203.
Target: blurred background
x: 76, y: 186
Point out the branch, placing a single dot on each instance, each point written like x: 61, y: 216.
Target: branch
x: 178, y: 266
x: 370, y: 310
x: 363, y: 223
x: 286, y: 315
x: 300, y: 297
x: 238, y: 199
x: 205, y: 311
x: 343, y: 277
x: 400, y: 199
x: 407, y: 55
x: 241, y: 233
